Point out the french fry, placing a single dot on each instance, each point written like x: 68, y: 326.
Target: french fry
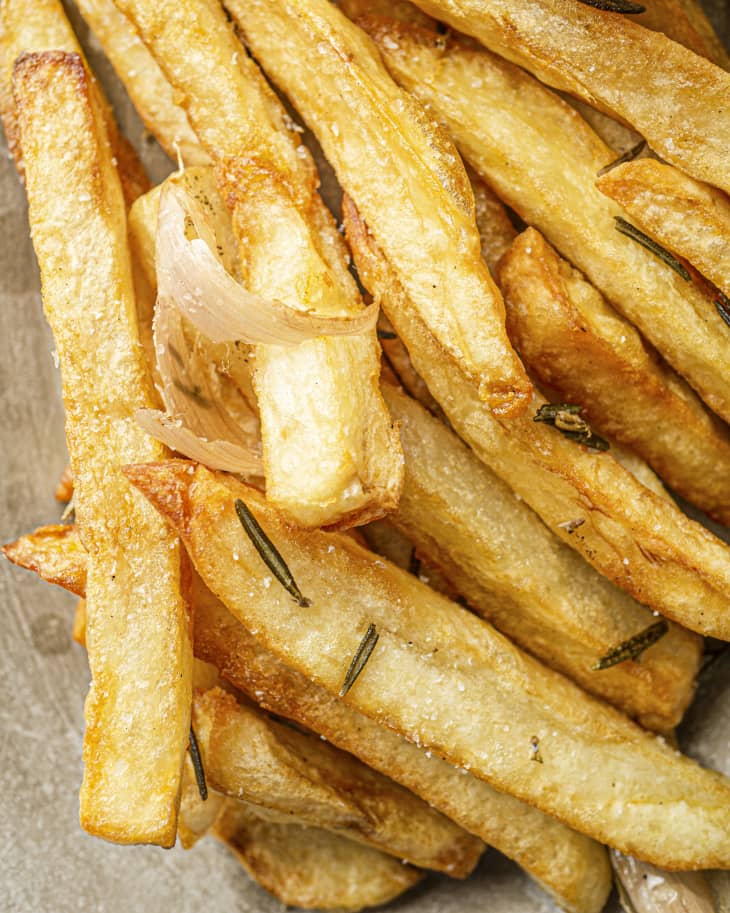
x: 576, y: 345
x: 640, y: 541
x: 43, y: 26
x: 542, y: 159
x: 330, y: 455
x: 687, y: 217
x: 197, y: 816
x: 246, y: 756
x: 55, y: 553
x: 405, y: 175
x: 138, y: 708
x: 528, y: 584
x: 685, y: 22
x: 79, y: 627
x: 444, y: 678
x: 679, y: 103
x: 151, y: 94
x: 570, y: 867
x: 65, y: 488
x: 496, y: 232
x: 309, y: 867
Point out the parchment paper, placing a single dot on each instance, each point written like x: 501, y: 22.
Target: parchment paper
x: 48, y: 865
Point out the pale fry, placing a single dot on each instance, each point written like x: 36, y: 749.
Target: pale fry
x: 637, y: 539
x: 542, y: 159
x: 330, y: 455
x: 247, y: 756
x: 527, y: 583
x: 577, y: 346
x: 570, y: 867
x: 138, y: 708
x: 42, y: 26
x: 151, y: 94
x: 689, y: 218
x: 446, y: 679
x: 197, y: 816
x: 309, y: 867
x: 679, y: 103
x: 405, y: 175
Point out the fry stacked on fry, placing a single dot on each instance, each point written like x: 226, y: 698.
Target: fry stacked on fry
x: 228, y: 425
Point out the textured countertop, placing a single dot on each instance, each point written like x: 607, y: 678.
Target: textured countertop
x: 48, y: 864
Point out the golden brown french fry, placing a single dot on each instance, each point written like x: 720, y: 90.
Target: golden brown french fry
x: 405, y: 175
x: 522, y: 579
x: 247, y: 756
x: 685, y: 22
x: 496, y: 232
x: 331, y: 457
x: 65, y: 487
x: 444, y: 678
x: 542, y: 159
x: 687, y: 217
x: 138, y: 708
x: 570, y: 867
x: 55, y: 553
x: 151, y: 94
x: 79, y: 628
x: 309, y: 867
x: 634, y: 537
x: 576, y: 345
x: 42, y: 26
x: 679, y: 103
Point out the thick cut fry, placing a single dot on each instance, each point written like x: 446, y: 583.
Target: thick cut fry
x: 331, y: 457
x: 685, y: 22
x: 42, y: 26
x: 534, y: 589
x: 246, y: 756
x: 151, y: 94
x: 680, y: 103
x: 446, y: 679
x: 577, y: 346
x: 541, y: 158
x: 572, y: 868
x: 634, y: 537
x: 307, y: 866
x: 687, y: 217
x: 138, y: 708
x: 55, y: 553
x: 405, y: 175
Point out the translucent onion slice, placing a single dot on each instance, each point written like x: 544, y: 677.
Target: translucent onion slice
x: 191, y: 275
x: 646, y: 889
x: 206, y: 419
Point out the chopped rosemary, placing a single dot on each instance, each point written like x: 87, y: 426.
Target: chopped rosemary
x: 535, y: 746
x: 269, y: 555
x: 631, y: 231
x: 628, y: 156
x: 362, y: 655
x: 386, y: 334
x: 633, y: 647
x: 566, y: 418
x: 722, y: 303
x: 414, y: 563
x: 616, y: 6
x: 198, y: 765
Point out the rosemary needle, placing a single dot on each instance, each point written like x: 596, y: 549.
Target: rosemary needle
x: 269, y: 555
x: 722, y: 303
x: 633, y: 647
x: 616, y: 6
x: 362, y: 655
x: 628, y: 156
x: 386, y: 334
x: 198, y: 765
x: 566, y: 418
x: 631, y: 231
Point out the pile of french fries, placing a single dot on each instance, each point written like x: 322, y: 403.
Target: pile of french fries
x: 373, y: 575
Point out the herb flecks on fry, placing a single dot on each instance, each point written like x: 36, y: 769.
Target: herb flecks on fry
x: 535, y: 749
x: 566, y: 418
x: 616, y: 6
x: 198, y: 766
x: 633, y: 647
x: 631, y: 231
x: 362, y: 655
x: 269, y: 555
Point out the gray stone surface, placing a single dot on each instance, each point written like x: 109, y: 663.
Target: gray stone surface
x: 48, y: 864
